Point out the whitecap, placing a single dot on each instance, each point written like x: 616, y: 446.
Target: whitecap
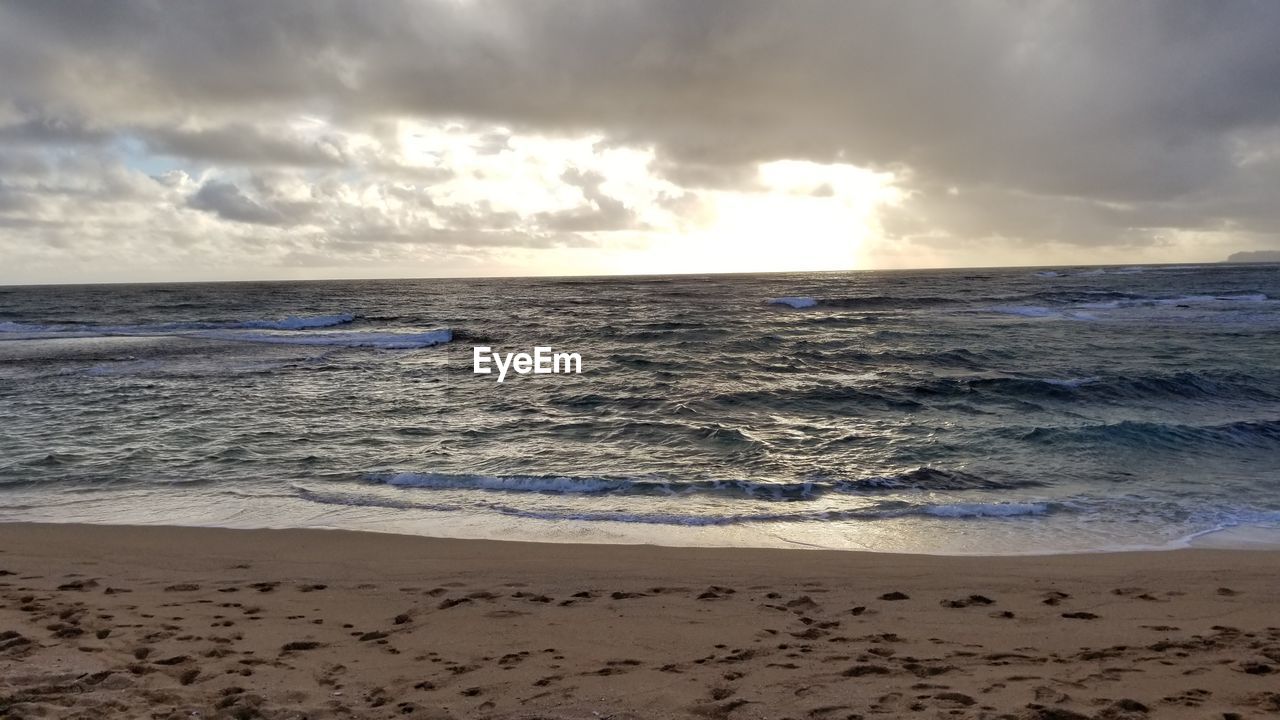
x: 1024, y: 311
x: 298, y: 322
x: 977, y: 510
x: 794, y: 302
x: 378, y: 340
x: 1071, y: 382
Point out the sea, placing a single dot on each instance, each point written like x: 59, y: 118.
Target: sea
x: 988, y: 411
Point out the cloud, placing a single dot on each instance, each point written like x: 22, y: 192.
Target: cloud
x: 602, y: 212
x: 228, y: 202
x: 243, y: 144
x: 1093, y: 125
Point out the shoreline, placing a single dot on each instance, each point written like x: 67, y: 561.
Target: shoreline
x: 129, y: 621
x: 1246, y: 537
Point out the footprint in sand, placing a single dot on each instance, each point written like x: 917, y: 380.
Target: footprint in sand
x: 1054, y: 597
x: 967, y: 602
x: 182, y: 587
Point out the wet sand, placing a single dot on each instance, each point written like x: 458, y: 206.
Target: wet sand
x: 128, y: 622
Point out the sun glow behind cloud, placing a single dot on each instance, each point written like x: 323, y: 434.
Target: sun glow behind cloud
x: 806, y: 216
x: 795, y: 216
x: 798, y: 216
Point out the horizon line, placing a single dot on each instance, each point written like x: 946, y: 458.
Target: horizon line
x: 625, y: 275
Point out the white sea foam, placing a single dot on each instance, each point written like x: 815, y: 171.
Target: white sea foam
x: 957, y: 511
x: 1024, y: 311
x: 379, y: 340
x: 23, y: 328
x: 923, y: 478
x: 292, y: 330
x: 288, y: 323
x: 17, y: 327
x: 1047, y: 274
x: 1245, y: 297
x: 795, y: 302
x: 443, y: 481
x: 989, y: 510
x: 299, y: 323
x: 1088, y: 311
x: 1071, y: 382
x: 1179, y: 300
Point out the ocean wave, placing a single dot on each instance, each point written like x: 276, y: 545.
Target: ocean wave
x: 1176, y: 301
x: 292, y: 322
x: 1097, y: 304
x: 794, y: 302
x: 1070, y: 382
x: 298, y: 323
x: 1038, y: 311
x: 1111, y: 271
x: 378, y: 340
x: 1168, y: 437
x: 1183, y: 385
x: 1093, y: 272
x: 924, y: 478
x: 835, y: 398
x: 886, y: 302
x: 22, y: 327
x: 1024, y: 311
x: 986, y: 510
x: 891, y: 510
x: 963, y: 511
x: 291, y: 330
x: 1090, y: 311
x: 864, y: 302
x: 1194, y: 517
x: 887, y: 510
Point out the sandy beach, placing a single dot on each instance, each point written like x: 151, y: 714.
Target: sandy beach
x: 159, y: 622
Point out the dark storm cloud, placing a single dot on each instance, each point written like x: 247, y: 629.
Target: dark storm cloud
x: 246, y: 145
x: 1070, y: 121
x: 50, y: 131
x: 229, y: 202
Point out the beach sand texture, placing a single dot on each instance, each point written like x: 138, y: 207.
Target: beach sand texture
x: 157, y: 622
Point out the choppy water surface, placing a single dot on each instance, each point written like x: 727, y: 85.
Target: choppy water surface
x: 941, y: 411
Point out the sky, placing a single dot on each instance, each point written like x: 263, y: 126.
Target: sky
x: 274, y: 139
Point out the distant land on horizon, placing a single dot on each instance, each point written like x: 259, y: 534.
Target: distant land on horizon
x: 1255, y: 256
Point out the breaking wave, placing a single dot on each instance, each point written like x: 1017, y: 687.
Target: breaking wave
x: 880, y: 511
x: 378, y: 340
x: 794, y: 302
x: 291, y: 330
x: 924, y: 478
x: 292, y: 322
